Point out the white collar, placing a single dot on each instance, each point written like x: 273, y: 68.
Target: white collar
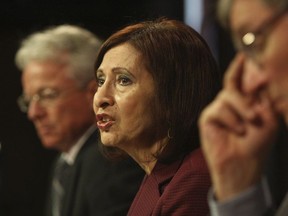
x: 71, y: 155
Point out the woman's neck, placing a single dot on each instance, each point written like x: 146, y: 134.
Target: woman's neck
x: 146, y: 156
x: 147, y: 162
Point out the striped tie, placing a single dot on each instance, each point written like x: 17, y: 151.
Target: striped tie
x: 58, y: 190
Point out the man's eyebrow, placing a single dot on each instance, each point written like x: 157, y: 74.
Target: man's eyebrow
x: 241, y: 30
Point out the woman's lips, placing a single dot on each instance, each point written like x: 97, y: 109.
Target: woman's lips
x: 104, y: 121
x: 104, y: 125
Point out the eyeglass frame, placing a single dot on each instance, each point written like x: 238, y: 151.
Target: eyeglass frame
x: 246, y: 42
x: 41, y: 97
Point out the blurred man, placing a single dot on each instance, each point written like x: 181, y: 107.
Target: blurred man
x: 58, y: 89
x: 240, y: 126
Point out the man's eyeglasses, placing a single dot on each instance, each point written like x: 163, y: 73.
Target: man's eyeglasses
x: 254, y: 42
x: 44, y: 97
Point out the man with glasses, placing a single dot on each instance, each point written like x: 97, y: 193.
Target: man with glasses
x: 240, y: 126
x: 58, y: 89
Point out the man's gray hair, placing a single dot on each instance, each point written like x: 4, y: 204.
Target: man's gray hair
x: 224, y: 7
x: 64, y: 44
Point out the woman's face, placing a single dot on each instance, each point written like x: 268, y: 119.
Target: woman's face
x: 123, y: 102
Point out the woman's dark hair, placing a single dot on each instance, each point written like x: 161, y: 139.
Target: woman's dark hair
x: 185, y: 75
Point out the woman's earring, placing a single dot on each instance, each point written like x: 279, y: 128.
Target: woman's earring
x: 169, y: 134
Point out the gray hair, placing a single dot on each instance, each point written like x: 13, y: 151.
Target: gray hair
x: 224, y: 7
x: 65, y: 44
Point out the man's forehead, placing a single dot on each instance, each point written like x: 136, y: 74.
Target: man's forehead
x: 247, y: 15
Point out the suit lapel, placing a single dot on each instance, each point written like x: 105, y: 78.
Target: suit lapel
x: 283, y: 210
x: 72, y: 185
x: 152, y: 188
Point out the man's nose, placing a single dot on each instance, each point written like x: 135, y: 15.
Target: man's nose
x: 254, y: 77
x: 35, y: 110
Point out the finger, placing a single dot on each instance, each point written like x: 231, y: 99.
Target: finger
x: 265, y: 110
x: 233, y: 76
x: 222, y: 114
x: 239, y: 103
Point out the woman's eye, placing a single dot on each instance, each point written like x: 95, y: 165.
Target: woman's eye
x: 100, y: 81
x: 124, y: 81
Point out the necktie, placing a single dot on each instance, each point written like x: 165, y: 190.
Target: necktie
x: 61, y: 175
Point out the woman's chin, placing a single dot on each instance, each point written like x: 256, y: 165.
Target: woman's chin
x: 107, y: 142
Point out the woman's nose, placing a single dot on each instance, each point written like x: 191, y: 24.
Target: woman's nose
x: 104, y: 96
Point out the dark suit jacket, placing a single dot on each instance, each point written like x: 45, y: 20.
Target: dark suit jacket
x: 177, y: 189
x: 98, y: 186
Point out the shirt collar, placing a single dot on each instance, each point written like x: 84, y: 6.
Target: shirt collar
x: 71, y: 155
